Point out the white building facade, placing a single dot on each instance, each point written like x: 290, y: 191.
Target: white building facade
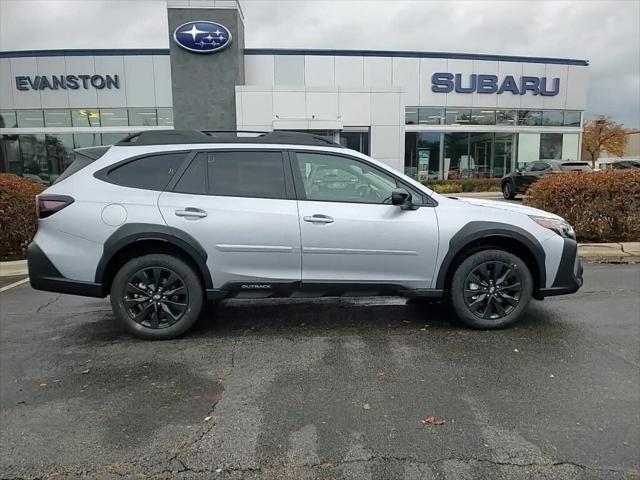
x: 430, y: 115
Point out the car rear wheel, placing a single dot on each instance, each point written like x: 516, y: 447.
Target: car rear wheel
x: 156, y: 297
x: 508, y: 191
x: 490, y: 289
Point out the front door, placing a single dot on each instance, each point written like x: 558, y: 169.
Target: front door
x: 350, y: 231
x: 239, y: 205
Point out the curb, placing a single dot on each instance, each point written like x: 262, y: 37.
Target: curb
x: 9, y: 269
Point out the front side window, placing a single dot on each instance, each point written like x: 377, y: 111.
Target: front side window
x: 150, y: 173
x: 258, y: 174
x: 334, y: 178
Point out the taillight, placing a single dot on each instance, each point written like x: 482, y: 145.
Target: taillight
x: 47, y: 205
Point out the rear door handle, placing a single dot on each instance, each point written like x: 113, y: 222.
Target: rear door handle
x: 317, y: 218
x: 191, y: 212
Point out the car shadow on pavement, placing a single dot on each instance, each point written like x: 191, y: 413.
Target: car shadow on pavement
x: 306, y: 317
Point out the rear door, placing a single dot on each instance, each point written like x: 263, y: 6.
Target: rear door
x: 240, y: 206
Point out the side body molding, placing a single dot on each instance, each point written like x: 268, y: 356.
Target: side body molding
x: 138, y: 232
x: 474, y: 231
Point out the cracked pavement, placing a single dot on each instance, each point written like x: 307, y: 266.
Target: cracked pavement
x: 325, y: 389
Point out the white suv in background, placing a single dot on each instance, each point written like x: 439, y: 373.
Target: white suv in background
x: 162, y: 221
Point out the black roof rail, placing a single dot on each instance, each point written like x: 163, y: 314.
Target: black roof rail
x: 176, y: 137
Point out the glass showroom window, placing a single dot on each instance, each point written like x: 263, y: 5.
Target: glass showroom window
x: 411, y: 115
x: 572, y: 119
x: 57, y: 118
x: 358, y: 141
x: 552, y: 118
x: 85, y: 118
x: 457, y: 116
x: 456, y: 155
x: 165, y: 117
x: 29, y: 118
x: 114, y: 117
x: 480, y: 153
x: 430, y: 116
x: 144, y: 117
x: 506, y: 117
x: 8, y: 119
x: 550, y: 146
x: 483, y: 117
x: 530, y: 118
x: 81, y: 140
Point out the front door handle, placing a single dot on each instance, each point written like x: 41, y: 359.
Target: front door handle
x: 191, y: 212
x: 317, y: 218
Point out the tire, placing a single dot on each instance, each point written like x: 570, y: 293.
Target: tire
x: 504, y: 285
x: 508, y: 191
x: 136, y: 295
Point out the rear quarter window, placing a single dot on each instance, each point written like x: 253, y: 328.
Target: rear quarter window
x: 152, y: 172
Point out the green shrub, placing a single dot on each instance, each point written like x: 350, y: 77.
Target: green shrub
x: 601, y: 206
x: 18, y: 221
x: 468, y: 185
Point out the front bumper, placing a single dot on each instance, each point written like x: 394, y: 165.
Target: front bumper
x: 43, y: 275
x: 569, y: 276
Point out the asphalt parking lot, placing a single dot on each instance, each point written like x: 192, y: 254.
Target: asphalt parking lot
x: 325, y: 389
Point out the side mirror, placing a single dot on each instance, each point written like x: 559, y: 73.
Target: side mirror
x: 402, y: 198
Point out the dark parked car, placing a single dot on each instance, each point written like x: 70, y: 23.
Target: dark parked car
x: 519, y: 181
x: 625, y: 164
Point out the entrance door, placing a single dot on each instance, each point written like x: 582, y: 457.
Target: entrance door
x: 240, y: 207
x: 350, y: 231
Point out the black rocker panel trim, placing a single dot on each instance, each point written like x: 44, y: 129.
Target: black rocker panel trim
x: 316, y: 289
x: 137, y: 232
x: 43, y: 275
x: 474, y: 231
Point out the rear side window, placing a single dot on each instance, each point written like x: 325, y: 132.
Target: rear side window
x: 194, y: 179
x: 257, y: 174
x: 150, y: 173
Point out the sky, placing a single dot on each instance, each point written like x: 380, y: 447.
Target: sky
x: 607, y: 32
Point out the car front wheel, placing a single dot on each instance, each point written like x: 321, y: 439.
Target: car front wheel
x: 490, y: 289
x: 508, y: 191
x: 156, y: 296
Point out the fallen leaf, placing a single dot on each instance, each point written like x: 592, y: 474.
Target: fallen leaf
x: 84, y: 372
x: 366, y: 406
x: 43, y: 384
x: 206, y: 419
x: 516, y: 350
x: 431, y: 420
x: 380, y: 375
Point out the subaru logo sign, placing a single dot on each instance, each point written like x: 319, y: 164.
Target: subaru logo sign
x: 202, y: 37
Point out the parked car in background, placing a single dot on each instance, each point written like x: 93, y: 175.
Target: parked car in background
x: 623, y: 165
x: 518, y: 182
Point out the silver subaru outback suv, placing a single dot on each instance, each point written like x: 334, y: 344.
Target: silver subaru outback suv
x: 163, y: 221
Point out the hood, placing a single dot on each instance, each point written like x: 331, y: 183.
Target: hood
x: 510, y: 207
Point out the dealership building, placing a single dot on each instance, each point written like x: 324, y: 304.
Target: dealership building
x: 429, y: 114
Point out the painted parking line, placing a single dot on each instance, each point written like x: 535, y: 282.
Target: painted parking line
x: 14, y: 284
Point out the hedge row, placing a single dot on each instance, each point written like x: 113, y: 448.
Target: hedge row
x: 602, y: 206
x: 469, y: 185
x: 18, y: 221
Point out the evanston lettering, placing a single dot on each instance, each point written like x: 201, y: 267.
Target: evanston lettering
x: 64, y: 82
x: 478, y: 83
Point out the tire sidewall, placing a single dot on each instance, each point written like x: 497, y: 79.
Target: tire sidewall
x: 188, y: 276
x: 457, y: 289
x: 507, y: 191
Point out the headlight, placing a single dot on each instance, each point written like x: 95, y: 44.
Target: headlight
x: 561, y: 227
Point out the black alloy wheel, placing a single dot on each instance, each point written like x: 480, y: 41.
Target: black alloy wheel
x: 492, y: 290
x: 156, y: 297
